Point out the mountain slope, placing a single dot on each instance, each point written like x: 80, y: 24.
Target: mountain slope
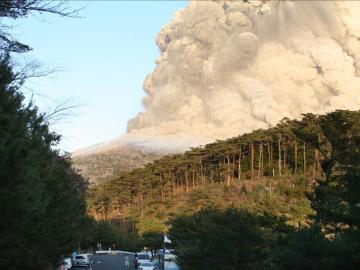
x: 264, y: 169
x: 98, y: 166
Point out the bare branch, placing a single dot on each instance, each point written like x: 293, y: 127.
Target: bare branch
x: 19, y: 8
x: 32, y: 69
x: 62, y: 110
x: 15, y: 9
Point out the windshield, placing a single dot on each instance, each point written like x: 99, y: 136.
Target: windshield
x: 79, y: 257
x: 143, y: 257
x: 146, y: 264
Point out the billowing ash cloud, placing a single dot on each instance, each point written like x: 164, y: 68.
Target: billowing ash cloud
x: 231, y: 67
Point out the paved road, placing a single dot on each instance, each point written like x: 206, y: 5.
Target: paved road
x: 170, y: 265
x: 112, y: 262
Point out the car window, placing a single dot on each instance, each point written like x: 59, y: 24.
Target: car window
x: 143, y: 257
x: 146, y: 264
x: 79, y: 257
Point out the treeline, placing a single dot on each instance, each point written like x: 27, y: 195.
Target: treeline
x: 236, y: 238
x: 248, y: 239
x: 293, y: 147
x: 287, y: 187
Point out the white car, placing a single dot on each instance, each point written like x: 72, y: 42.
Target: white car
x: 147, y: 266
x: 143, y: 258
x: 67, y: 263
x: 83, y: 259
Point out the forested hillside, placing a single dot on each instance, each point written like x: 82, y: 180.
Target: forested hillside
x: 277, y: 190
x: 280, y: 163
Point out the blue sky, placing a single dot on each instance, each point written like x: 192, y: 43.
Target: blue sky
x: 104, y: 58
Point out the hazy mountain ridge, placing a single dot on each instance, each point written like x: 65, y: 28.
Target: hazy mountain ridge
x: 102, y: 165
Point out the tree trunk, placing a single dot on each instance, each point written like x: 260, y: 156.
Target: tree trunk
x: 173, y: 183
x: 181, y: 185
x: 279, y: 150
x: 314, y: 167
x: 260, y: 158
x: 315, y: 164
x: 233, y: 167
x: 284, y: 157
x: 304, y: 156
x: 141, y: 205
x: 161, y: 188
x: 220, y: 172
x: 318, y: 163
x: 239, y: 166
x: 228, y: 171
x: 202, y: 174
x: 187, y: 181
x: 193, y: 176
x: 252, y: 161
x: 295, y: 157
x: 224, y: 168
x: 129, y: 203
x: 262, y: 162
x: 141, y: 197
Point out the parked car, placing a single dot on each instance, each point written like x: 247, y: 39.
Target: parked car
x: 67, y: 263
x: 83, y: 259
x: 142, y: 258
x: 147, y: 266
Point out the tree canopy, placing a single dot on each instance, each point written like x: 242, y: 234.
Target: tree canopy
x: 15, y: 9
x: 303, y: 173
x: 41, y: 196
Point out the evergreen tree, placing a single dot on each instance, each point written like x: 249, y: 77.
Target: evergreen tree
x: 41, y: 197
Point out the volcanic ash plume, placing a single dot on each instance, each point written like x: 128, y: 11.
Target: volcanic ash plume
x: 227, y: 68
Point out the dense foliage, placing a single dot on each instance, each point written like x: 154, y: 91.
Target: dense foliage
x: 231, y: 239
x: 331, y: 239
x: 41, y: 197
x: 302, y: 172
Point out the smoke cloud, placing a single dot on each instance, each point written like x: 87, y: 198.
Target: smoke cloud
x: 227, y: 68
